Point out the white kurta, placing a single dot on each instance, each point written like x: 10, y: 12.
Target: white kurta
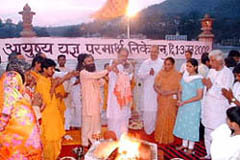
x: 117, y: 117
x: 214, y: 103
x: 76, y: 104
x: 224, y: 146
x: 68, y: 100
x: 183, y: 67
x: 203, y: 70
x: 149, y: 95
x: 183, y: 70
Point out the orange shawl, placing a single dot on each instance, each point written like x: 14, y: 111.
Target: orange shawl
x: 123, y: 90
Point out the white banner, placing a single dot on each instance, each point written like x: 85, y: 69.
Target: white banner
x: 100, y: 48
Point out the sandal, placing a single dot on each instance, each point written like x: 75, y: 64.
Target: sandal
x: 180, y: 148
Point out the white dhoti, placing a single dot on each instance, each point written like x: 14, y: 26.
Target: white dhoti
x: 68, y: 114
x: 117, y: 116
x: 214, y: 104
x: 76, y: 106
x: 119, y: 126
x: 207, y: 139
x: 118, y: 119
x: 149, y: 121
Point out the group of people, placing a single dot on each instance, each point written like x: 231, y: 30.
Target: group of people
x: 39, y: 102
x: 30, y: 121
x: 197, y: 93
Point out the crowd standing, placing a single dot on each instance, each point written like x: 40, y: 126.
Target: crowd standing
x: 41, y: 101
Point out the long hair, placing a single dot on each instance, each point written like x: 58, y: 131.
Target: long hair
x: 80, y: 59
x: 194, y: 62
x: 170, y: 59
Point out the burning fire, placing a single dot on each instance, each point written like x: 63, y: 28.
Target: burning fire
x: 128, y: 148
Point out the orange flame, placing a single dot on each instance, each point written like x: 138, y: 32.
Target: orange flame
x: 128, y: 148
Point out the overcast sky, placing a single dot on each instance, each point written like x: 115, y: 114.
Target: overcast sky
x: 59, y: 12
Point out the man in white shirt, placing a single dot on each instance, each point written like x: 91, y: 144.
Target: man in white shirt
x: 214, y: 103
x: 61, y: 59
x: 117, y: 116
x: 147, y: 72
x: 203, y: 68
x: 188, y: 55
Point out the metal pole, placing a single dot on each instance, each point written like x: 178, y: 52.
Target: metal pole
x: 128, y: 27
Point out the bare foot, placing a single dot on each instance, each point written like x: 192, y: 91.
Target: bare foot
x: 189, y: 152
x: 206, y: 157
x: 180, y: 148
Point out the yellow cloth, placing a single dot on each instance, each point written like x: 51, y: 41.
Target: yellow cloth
x: 167, y: 106
x: 52, y: 125
x: 61, y: 104
x: 111, y: 9
x: 35, y: 75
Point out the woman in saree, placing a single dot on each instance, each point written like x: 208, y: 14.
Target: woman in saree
x: 19, y: 132
x: 167, y: 84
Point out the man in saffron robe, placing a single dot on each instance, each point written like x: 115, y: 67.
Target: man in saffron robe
x: 90, y: 87
x: 52, y: 126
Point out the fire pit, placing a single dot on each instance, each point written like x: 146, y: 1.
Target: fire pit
x: 125, y: 149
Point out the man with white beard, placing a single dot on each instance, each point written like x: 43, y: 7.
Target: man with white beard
x: 147, y: 72
x: 214, y: 103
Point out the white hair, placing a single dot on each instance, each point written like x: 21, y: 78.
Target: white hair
x: 218, y: 54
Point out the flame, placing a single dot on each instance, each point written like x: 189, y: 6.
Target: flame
x: 128, y: 148
x: 133, y: 8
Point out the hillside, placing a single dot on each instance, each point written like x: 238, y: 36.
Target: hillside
x: 216, y: 8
